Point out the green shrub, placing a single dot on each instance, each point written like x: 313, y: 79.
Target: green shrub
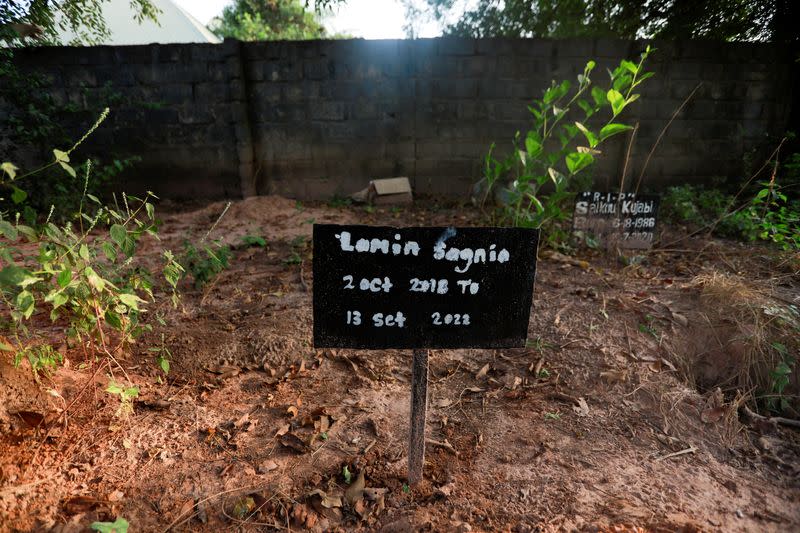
x: 548, y: 164
x: 766, y: 214
x: 84, y: 271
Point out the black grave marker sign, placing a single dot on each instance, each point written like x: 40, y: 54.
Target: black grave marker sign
x: 422, y: 287
x: 626, y: 219
x: 384, y: 287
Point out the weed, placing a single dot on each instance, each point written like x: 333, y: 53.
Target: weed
x: 298, y: 244
x: 338, y: 202
x: 94, y: 285
x: 254, y: 240
x: 777, y: 401
x: 543, y: 374
x: 42, y: 358
x: 163, y: 355
x: 346, y: 474
x: 206, y: 263
x: 36, y: 123
x: 552, y: 416
x: 120, y: 525
x: 126, y: 396
x: 293, y: 259
x: 548, y: 157
x: 649, y: 327
x: 767, y: 214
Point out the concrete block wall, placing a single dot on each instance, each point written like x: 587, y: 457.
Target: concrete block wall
x: 312, y: 119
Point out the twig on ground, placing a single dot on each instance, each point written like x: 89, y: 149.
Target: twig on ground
x: 690, y: 449
x: 446, y: 445
x: 776, y: 419
x: 186, y: 515
x: 303, y: 278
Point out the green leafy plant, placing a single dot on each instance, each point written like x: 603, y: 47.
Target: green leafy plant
x: 768, y: 214
x: 205, y: 263
x: 254, y: 240
x: 650, y: 327
x: 125, y: 395
x: 35, y: 123
x: 298, y: 244
x: 549, y: 162
x: 163, y: 355
x: 777, y: 401
x: 42, y: 358
x: 85, y: 272
x: 339, y: 202
x: 120, y: 525
x: 346, y: 474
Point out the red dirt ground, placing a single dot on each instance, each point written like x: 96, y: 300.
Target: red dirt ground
x: 593, y: 427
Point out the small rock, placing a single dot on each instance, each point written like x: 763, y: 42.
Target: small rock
x: 461, y: 527
x: 739, y: 513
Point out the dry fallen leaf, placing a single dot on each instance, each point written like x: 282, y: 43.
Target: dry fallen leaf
x: 326, y: 501
x: 512, y: 382
x: 267, y: 466
x: 242, y: 421
x: 482, y: 372
x: 290, y: 440
x: 614, y: 376
x: 356, y: 489
x: 712, y: 415
x: 582, y: 409
x: 444, y: 402
x: 680, y: 319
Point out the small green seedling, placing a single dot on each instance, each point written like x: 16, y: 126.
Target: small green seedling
x: 126, y: 396
x: 552, y: 416
x: 348, y: 476
x: 254, y: 240
x: 649, y: 327
x: 163, y: 355
x: 120, y: 525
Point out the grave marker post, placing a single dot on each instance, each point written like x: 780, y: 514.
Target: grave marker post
x: 380, y: 287
x: 419, y: 415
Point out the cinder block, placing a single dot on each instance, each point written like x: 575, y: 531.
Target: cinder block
x: 318, y: 69
x: 455, y: 46
x: 326, y: 111
x: 79, y: 77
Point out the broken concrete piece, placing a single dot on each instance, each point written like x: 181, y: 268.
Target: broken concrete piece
x: 388, y: 191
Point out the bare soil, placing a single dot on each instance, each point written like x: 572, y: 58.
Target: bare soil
x: 610, y: 420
